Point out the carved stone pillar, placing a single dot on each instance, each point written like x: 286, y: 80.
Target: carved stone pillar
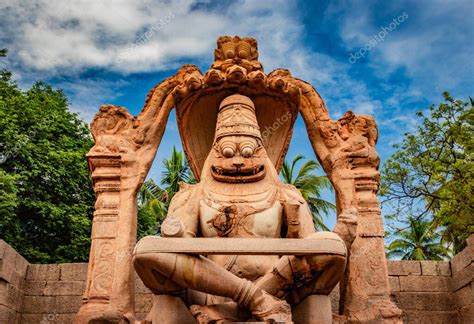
x: 366, y: 296
x: 110, y: 273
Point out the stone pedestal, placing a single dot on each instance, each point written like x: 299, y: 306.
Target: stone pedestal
x: 314, y: 309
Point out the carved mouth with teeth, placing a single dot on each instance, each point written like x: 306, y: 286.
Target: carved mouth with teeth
x: 238, y: 174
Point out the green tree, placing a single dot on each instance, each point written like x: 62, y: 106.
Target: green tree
x: 430, y: 176
x: 46, y: 200
x: 417, y: 242
x: 310, y: 185
x: 154, y: 200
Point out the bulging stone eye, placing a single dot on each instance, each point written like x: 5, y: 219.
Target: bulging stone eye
x: 247, y: 152
x: 228, y: 152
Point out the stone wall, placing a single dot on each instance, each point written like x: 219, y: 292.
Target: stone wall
x: 426, y: 291
x: 435, y: 292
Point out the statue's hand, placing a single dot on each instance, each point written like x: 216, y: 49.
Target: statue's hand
x: 346, y: 226
x: 172, y: 227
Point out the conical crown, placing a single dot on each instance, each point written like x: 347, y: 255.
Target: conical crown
x: 237, y: 117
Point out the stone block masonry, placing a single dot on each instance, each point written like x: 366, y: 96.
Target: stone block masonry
x: 426, y: 291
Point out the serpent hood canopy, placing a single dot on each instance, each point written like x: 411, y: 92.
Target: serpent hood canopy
x: 236, y: 70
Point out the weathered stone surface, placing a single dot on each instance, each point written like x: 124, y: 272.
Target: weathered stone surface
x: 429, y: 301
x: 3, y: 246
x: 432, y: 317
x: 424, y: 283
x: 9, y: 274
x: 51, y: 318
x: 331, y: 244
x: 10, y: 296
x: 464, y: 296
x: 394, y: 284
x: 463, y: 277
x: 9, y: 316
x: 67, y: 304
x: 315, y: 309
x: 334, y: 295
x: 38, y: 304
x: 62, y: 288
x: 466, y: 314
x: 461, y: 260
x: 34, y: 288
x: 403, y: 268
x: 435, y: 268
x: 40, y: 272
x: 73, y: 271
x: 140, y: 287
x: 143, y: 302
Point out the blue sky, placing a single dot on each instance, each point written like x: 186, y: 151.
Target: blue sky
x: 386, y: 58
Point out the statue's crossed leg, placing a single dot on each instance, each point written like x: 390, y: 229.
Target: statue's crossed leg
x: 293, y: 277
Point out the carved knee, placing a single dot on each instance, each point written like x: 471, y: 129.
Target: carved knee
x: 156, y: 270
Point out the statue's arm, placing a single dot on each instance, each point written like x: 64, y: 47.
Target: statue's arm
x: 346, y: 226
x: 297, y: 215
x: 183, y: 214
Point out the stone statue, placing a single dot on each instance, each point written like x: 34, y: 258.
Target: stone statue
x: 240, y: 195
x: 236, y: 123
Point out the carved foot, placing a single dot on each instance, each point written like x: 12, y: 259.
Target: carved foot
x: 218, y: 313
x: 268, y: 308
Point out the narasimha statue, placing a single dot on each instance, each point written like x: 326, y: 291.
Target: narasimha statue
x: 240, y: 196
x: 239, y: 245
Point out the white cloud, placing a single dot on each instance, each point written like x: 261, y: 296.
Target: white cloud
x: 55, y: 37
x: 433, y: 46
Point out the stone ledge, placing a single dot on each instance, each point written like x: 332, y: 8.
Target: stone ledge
x: 38, y: 272
x: 64, y: 288
x: 438, y: 317
x: 429, y: 301
x: 435, y: 268
x: 51, y: 304
x: 403, y: 268
x: 425, y: 284
x: 73, y: 271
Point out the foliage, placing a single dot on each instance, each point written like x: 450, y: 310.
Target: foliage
x: 153, y: 200
x: 310, y: 185
x: 46, y: 199
x: 417, y: 242
x: 430, y: 176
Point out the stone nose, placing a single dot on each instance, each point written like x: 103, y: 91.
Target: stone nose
x: 238, y: 162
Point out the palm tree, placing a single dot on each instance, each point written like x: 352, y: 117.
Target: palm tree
x: 419, y: 241
x: 157, y: 199
x: 151, y: 196
x: 310, y: 185
x: 176, y: 170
